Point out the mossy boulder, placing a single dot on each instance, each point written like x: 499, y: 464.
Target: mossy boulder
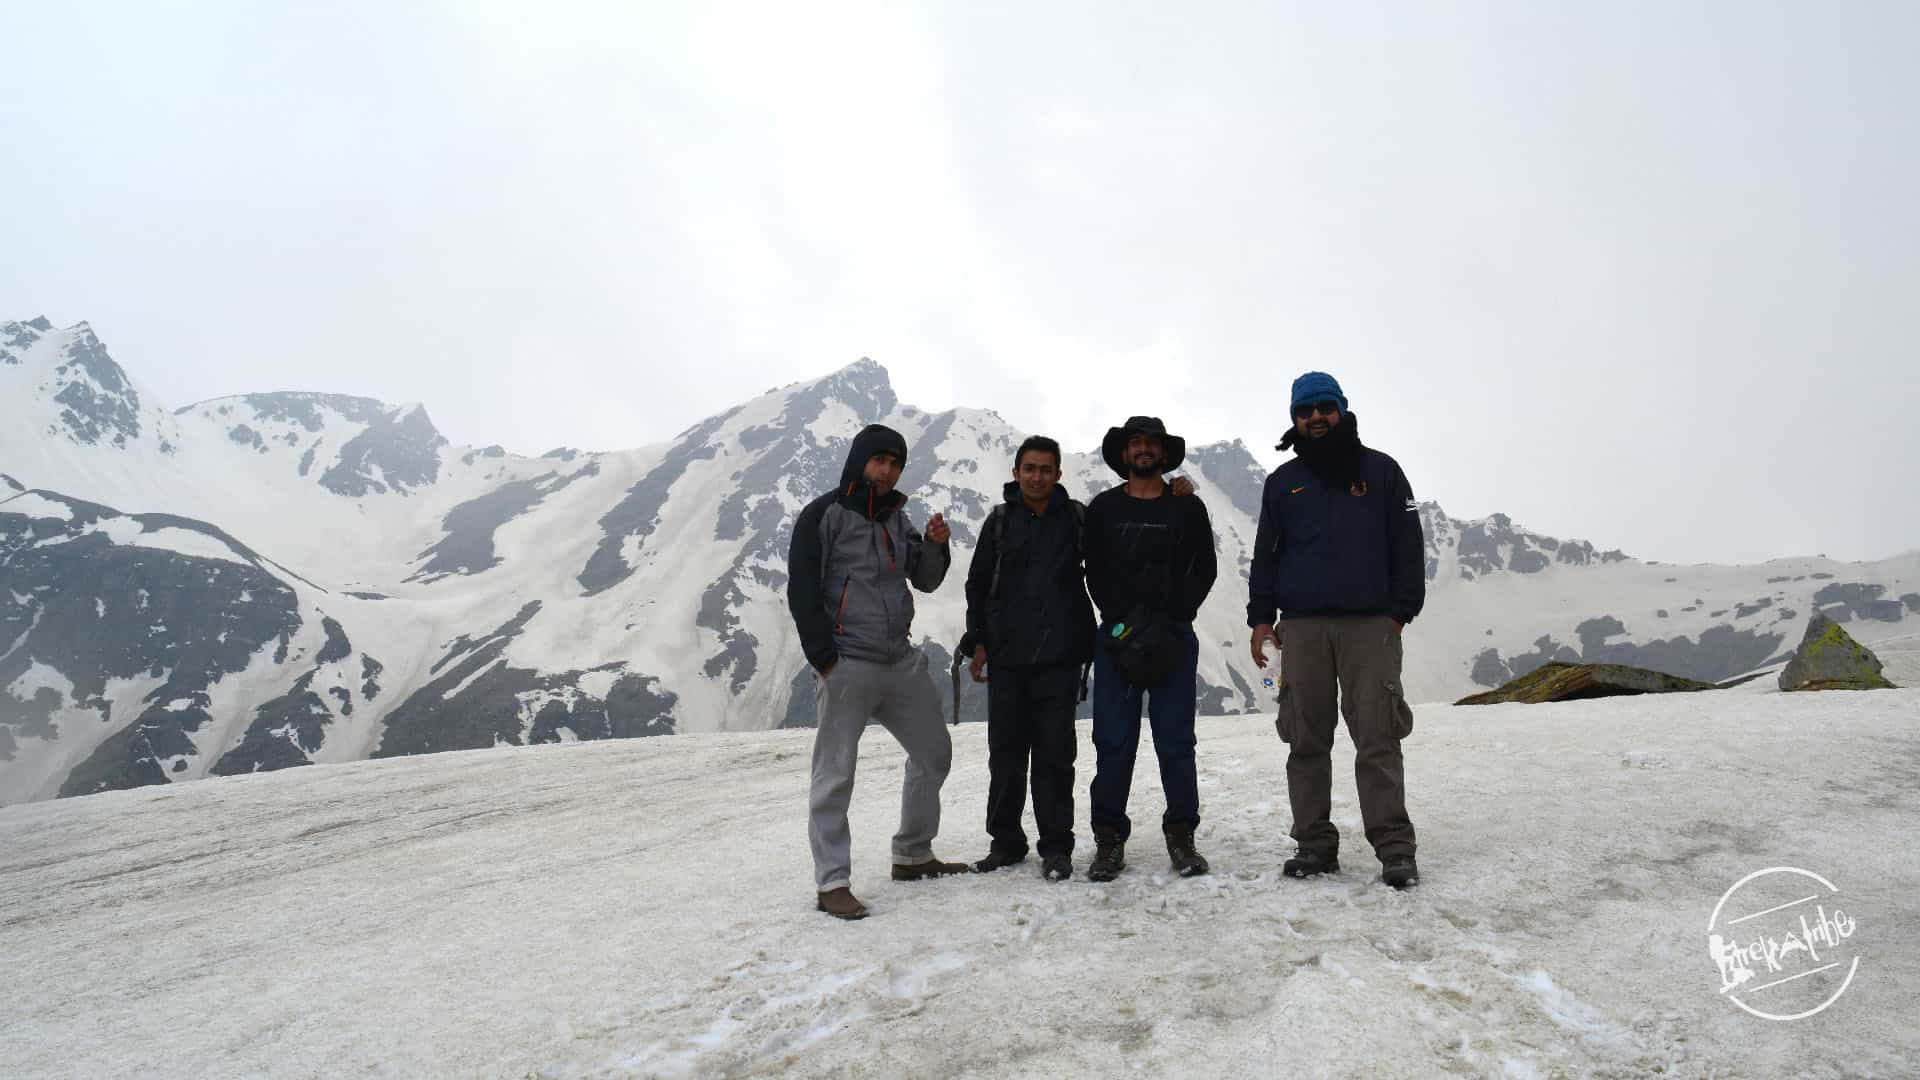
x: 1560, y: 681
x: 1829, y: 659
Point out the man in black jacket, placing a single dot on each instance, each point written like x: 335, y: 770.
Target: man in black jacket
x: 1340, y: 556
x: 1027, y: 609
x: 1150, y: 562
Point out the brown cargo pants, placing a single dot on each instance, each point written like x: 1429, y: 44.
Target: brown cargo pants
x: 1360, y: 655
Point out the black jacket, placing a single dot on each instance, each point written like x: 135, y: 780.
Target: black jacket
x: 1338, y: 536
x: 1158, y: 552
x: 1039, y: 614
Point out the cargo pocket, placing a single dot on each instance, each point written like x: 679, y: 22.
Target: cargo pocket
x: 1283, y: 721
x: 1400, y: 714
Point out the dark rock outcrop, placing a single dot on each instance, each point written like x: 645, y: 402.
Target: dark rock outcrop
x: 100, y: 403
x: 482, y: 700
x: 77, y: 603
x: 401, y: 447
x: 1557, y: 681
x: 1829, y: 659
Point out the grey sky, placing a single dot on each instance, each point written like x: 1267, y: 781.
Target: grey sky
x: 1644, y: 273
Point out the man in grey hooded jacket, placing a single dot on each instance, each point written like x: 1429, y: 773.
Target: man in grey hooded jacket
x: 853, y: 557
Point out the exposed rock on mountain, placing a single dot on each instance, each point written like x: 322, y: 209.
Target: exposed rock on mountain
x: 1829, y: 659
x: 1558, y: 681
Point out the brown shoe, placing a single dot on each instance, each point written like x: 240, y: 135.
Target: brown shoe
x: 840, y: 904
x: 932, y: 868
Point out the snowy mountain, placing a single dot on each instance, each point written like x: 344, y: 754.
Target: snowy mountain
x: 503, y: 913
x: 279, y: 579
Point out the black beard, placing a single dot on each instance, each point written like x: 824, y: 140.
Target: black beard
x: 1334, y: 457
x: 1144, y: 471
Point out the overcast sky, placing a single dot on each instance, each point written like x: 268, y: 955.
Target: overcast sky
x: 1646, y: 274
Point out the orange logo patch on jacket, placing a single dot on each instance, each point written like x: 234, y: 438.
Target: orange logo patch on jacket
x: 1358, y: 487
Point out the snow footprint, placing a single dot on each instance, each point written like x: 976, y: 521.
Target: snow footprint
x: 911, y: 982
x: 770, y: 1008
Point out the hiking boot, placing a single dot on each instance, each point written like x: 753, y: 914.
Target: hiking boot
x: 997, y: 860
x: 1186, y: 861
x: 1308, y: 862
x: 840, y: 904
x: 932, y: 868
x: 1056, y: 867
x: 1400, y: 872
x: 1109, y: 857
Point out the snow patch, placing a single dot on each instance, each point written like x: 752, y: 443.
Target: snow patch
x: 597, y: 684
x: 913, y: 981
x: 36, y: 506
x: 1577, y: 1016
x: 40, y: 676
x: 1490, y: 966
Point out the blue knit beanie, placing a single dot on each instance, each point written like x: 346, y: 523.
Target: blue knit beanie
x: 1317, y: 386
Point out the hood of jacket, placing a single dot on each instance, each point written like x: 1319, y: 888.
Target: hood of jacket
x: 855, y: 493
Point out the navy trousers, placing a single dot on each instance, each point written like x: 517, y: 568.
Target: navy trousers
x: 1116, y: 738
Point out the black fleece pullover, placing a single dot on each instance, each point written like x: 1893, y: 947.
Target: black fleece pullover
x: 1153, y: 551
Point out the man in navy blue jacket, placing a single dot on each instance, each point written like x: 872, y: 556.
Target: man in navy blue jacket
x: 1340, y: 558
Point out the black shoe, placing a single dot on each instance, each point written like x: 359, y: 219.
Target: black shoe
x: 997, y: 860
x: 1109, y: 857
x: 1400, y: 872
x: 1186, y: 861
x: 1056, y: 867
x: 1308, y: 862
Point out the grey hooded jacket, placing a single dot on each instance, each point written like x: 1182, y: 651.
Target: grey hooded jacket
x: 852, y: 558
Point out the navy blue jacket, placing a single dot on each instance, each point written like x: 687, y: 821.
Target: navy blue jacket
x: 1354, y: 551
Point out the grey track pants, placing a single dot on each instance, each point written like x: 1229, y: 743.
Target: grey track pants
x: 901, y: 697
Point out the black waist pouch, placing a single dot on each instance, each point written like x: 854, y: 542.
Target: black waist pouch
x: 1145, y: 647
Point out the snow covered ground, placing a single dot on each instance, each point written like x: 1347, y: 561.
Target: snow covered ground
x: 644, y: 907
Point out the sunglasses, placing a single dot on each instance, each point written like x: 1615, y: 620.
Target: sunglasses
x: 1324, y: 408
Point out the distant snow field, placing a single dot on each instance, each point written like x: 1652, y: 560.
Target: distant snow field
x: 644, y: 907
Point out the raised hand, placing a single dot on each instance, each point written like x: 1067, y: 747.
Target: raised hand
x: 937, y: 530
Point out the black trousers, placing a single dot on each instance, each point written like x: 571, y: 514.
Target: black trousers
x: 1030, y: 716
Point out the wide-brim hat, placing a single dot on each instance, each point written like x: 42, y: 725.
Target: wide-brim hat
x: 1114, y: 446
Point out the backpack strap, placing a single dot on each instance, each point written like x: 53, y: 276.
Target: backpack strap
x: 997, y: 521
x: 956, y: 689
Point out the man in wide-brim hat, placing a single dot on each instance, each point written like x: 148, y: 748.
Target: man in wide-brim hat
x: 1173, y: 448
x: 1150, y: 560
